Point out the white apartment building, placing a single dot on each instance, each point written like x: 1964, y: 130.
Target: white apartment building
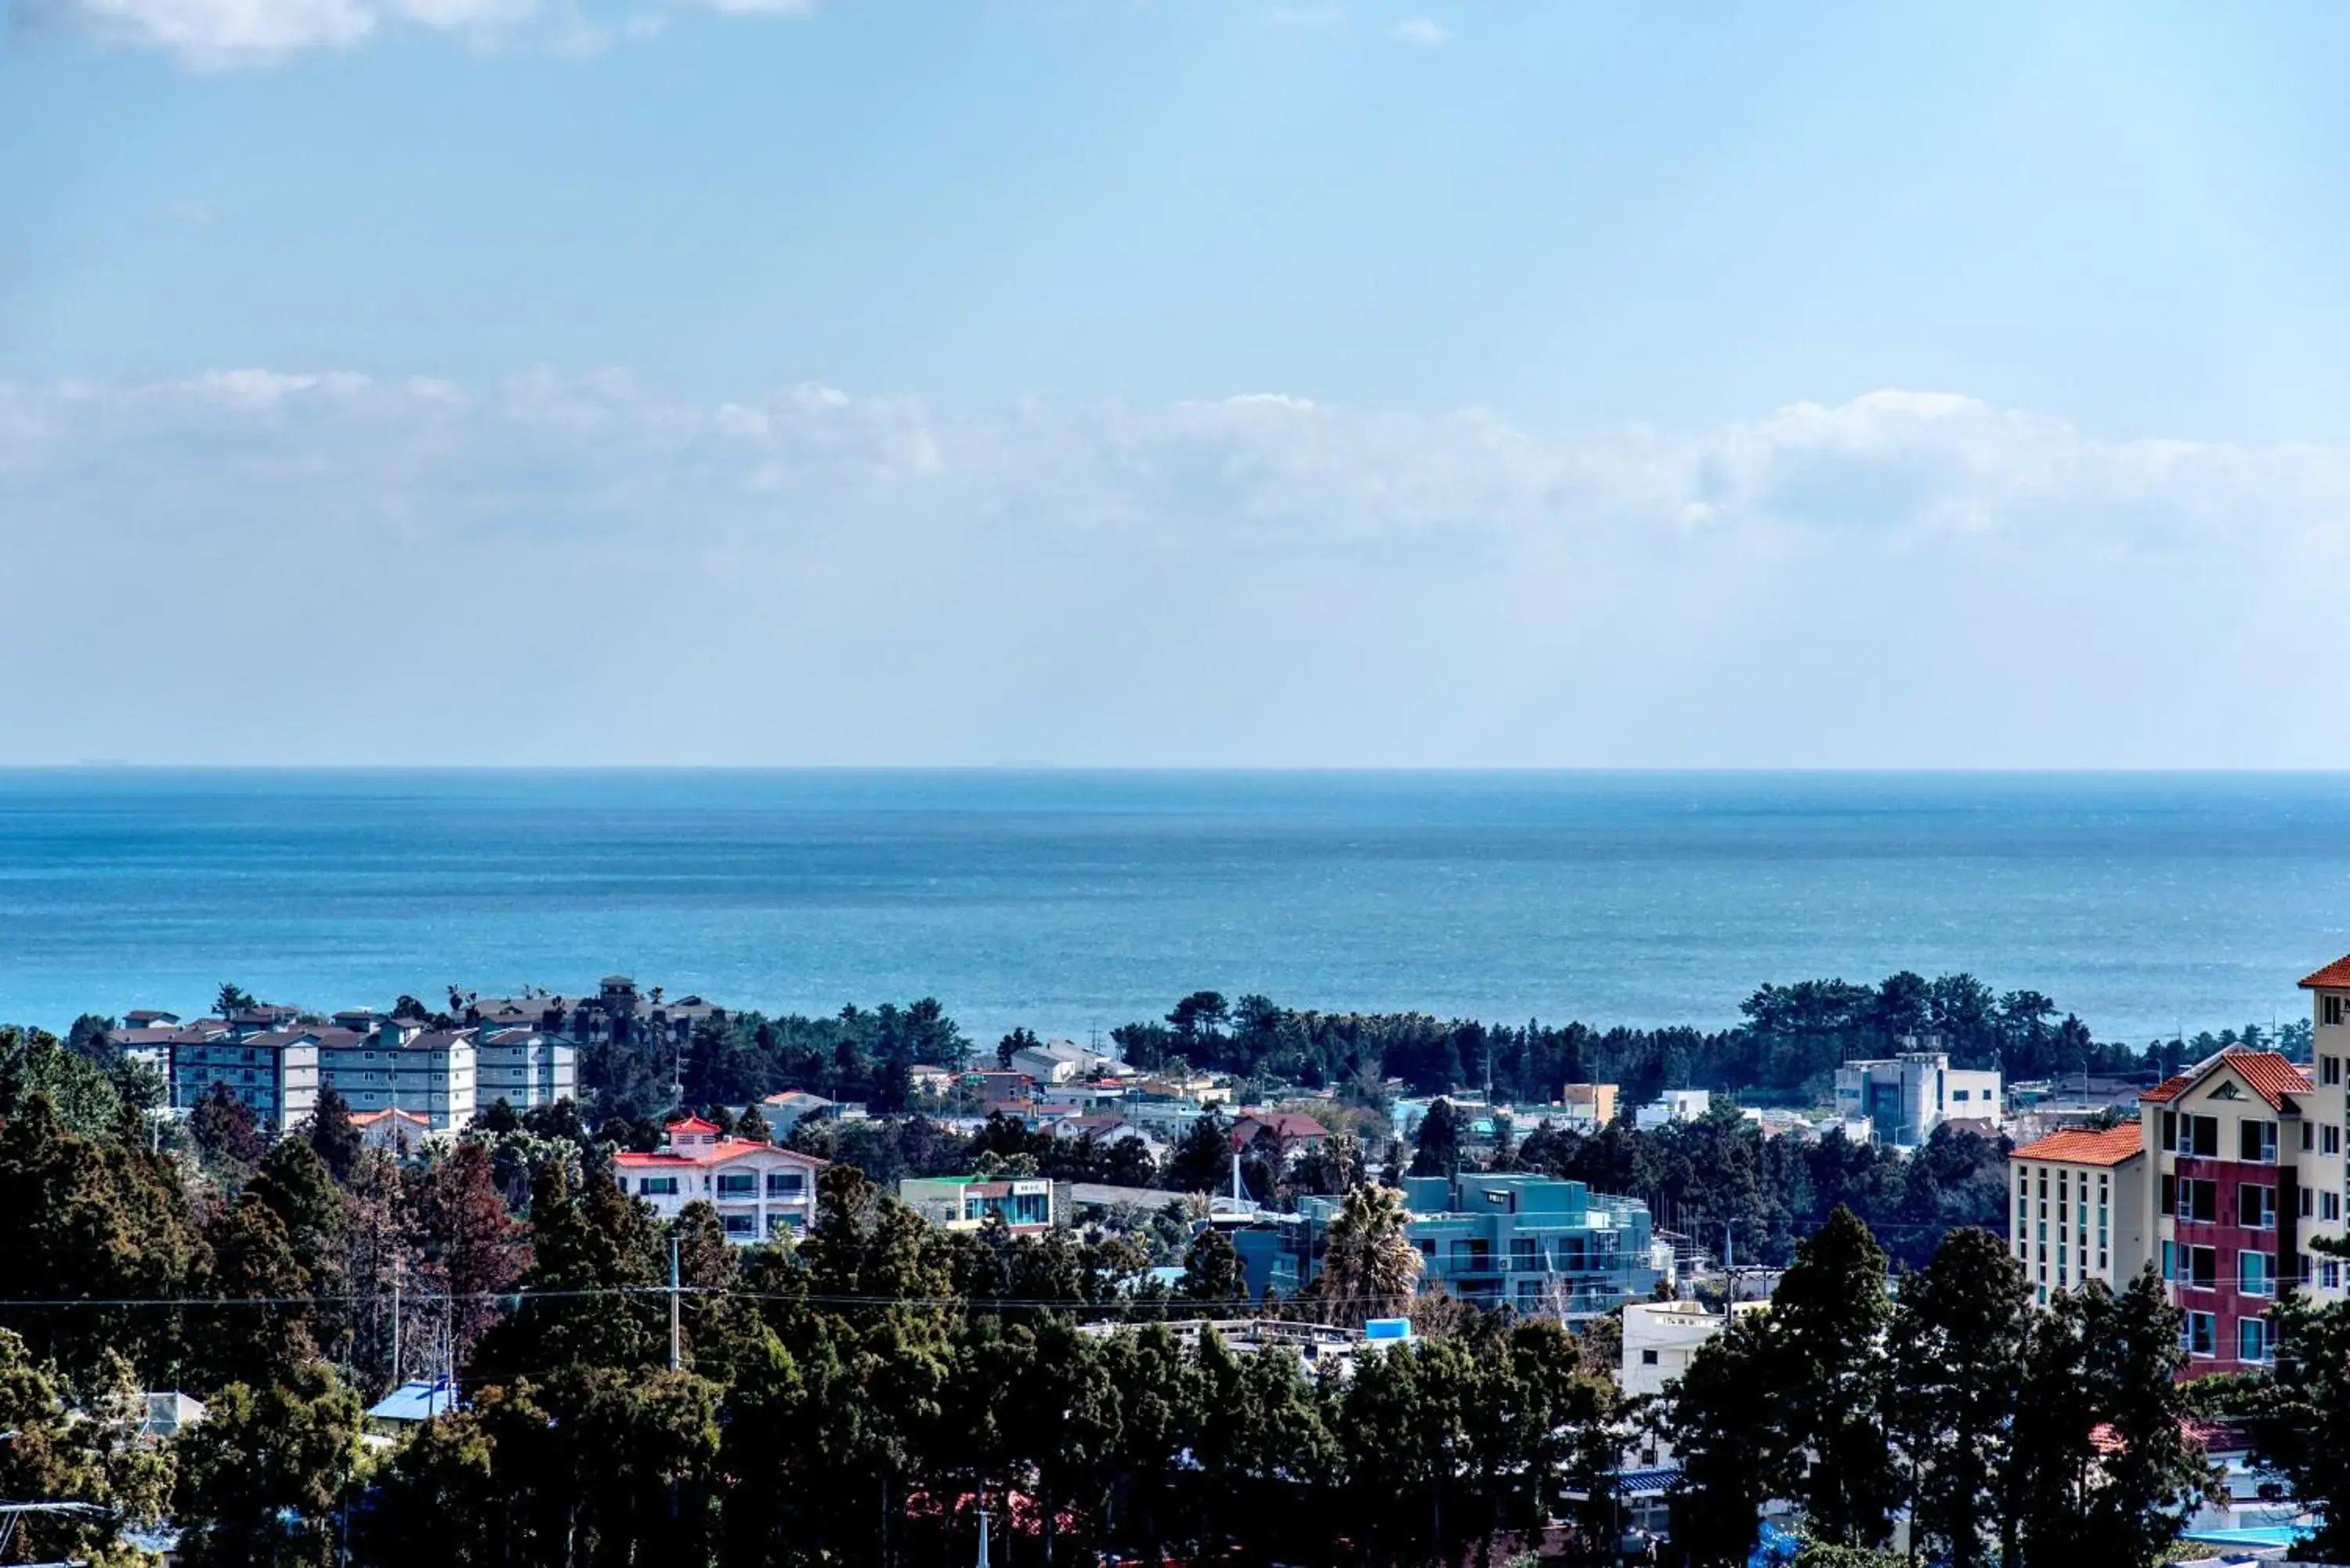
x: 2081, y: 1210
x: 407, y: 1065
x: 523, y: 1067
x: 273, y: 1071
x: 759, y: 1190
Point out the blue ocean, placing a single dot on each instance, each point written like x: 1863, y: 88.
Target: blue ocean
x: 1073, y: 902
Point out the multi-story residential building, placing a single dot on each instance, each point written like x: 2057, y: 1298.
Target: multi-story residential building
x: 2245, y: 1160
x: 1026, y: 1204
x: 1906, y: 1096
x: 275, y: 1071
x: 526, y: 1067
x: 405, y: 1065
x: 1543, y: 1246
x: 2082, y: 1206
x: 759, y: 1190
x: 1660, y: 1338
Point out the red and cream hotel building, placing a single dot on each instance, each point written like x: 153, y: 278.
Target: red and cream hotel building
x: 2235, y: 1166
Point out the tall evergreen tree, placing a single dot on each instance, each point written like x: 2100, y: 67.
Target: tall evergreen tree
x: 2302, y: 1425
x: 2154, y: 1474
x: 264, y: 1475
x: 1727, y: 1418
x: 1829, y: 1317
x: 1957, y: 1369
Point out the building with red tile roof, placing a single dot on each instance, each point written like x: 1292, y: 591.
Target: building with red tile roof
x: 761, y: 1192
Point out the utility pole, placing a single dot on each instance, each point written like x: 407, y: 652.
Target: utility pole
x: 675, y: 1358
x: 396, y: 1378
x: 983, y: 1538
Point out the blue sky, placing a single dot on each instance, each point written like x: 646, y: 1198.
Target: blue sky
x: 1486, y: 381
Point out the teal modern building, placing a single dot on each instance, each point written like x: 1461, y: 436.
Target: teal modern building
x: 1545, y: 1247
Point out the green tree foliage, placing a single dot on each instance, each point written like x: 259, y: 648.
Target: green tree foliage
x: 86, y: 1218
x: 233, y: 999
x: 263, y: 1477
x: 1827, y: 1321
x: 2301, y: 1421
x: 331, y: 1135
x: 61, y: 1449
x: 79, y: 1091
x: 1958, y: 1370
x: 1212, y: 1271
x: 1436, y: 1151
x: 1726, y: 1418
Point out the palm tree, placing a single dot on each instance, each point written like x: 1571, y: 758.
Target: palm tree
x: 1370, y: 1269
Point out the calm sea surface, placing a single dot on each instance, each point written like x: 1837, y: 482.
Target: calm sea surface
x: 1071, y: 900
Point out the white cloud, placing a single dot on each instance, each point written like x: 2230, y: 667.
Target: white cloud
x: 229, y: 35
x: 585, y: 568
x: 1421, y: 33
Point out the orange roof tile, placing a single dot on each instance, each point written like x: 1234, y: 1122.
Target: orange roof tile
x: 2269, y: 1074
x: 692, y: 1124
x: 2080, y: 1146
x: 2271, y: 1077
x: 2335, y: 974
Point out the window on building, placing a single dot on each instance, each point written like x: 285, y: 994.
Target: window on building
x: 2329, y: 1274
x: 2331, y: 1008
x: 2329, y: 1068
x: 741, y: 1224
x: 662, y: 1186
x: 2330, y: 1205
x: 2256, y: 1207
x: 2308, y: 1203
x: 2203, y: 1267
x: 737, y: 1184
x: 2199, y: 1200
x: 2329, y: 1139
x: 1648, y: 1359
x: 2202, y: 1334
x: 2198, y: 1135
x: 2256, y: 1141
x: 787, y: 1183
x: 2256, y: 1273
x: 2169, y: 1260
x: 2169, y: 1193
x: 2251, y: 1339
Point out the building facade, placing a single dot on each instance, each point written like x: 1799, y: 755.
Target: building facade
x: 1906, y: 1098
x: 527, y: 1068
x: 1025, y: 1204
x: 1547, y: 1248
x: 2245, y: 1167
x: 761, y: 1192
x: 273, y: 1071
x: 2081, y: 1209
x: 406, y: 1065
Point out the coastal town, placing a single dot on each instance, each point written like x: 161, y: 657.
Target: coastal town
x: 414, y: 1171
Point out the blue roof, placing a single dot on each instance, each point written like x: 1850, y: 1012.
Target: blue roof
x: 415, y: 1402
x: 1654, y: 1481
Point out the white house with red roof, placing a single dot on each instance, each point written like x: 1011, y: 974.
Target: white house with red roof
x: 759, y: 1190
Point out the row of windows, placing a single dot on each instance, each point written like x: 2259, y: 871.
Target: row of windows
x: 2255, y: 1339
x: 731, y: 1184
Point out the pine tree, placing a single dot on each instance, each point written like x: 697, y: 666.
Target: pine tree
x: 332, y: 1136
x: 2155, y: 1474
x: 1829, y: 1317
x: 1437, y: 1149
x: 262, y: 1475
x: 1957, y: 1369
x: 1212, y: 1271
x: 1727, y: 1418
x: 2302, y: 1427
